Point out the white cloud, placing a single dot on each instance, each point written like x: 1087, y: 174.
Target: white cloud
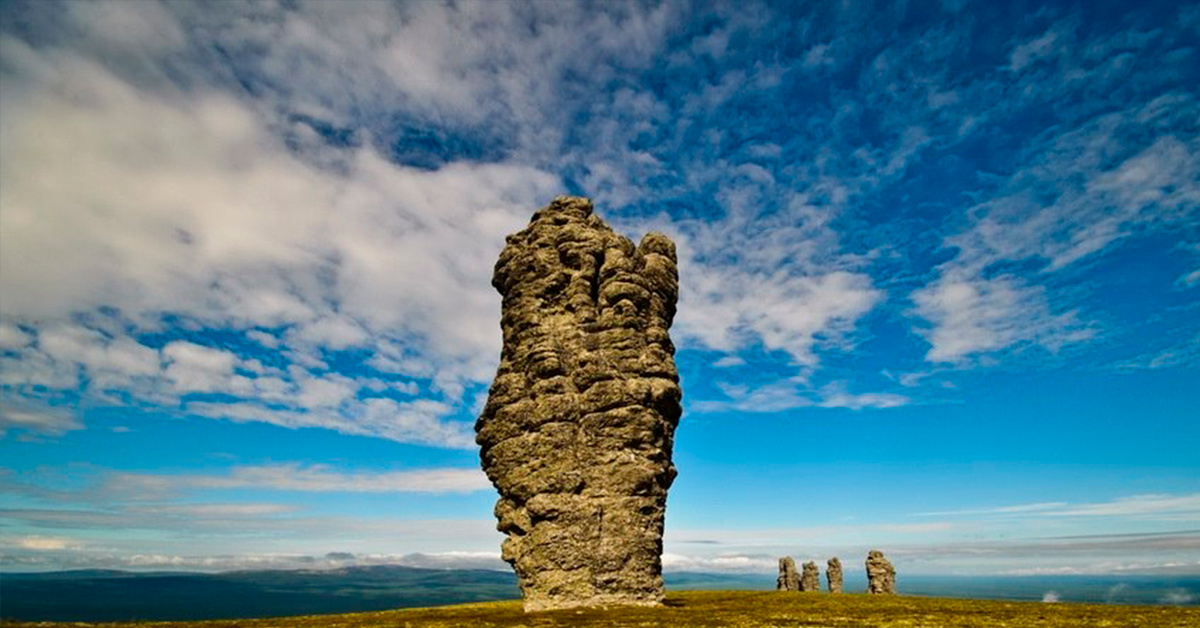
x: 323, y: 479
x: 1081, y: 192
x: 223, y: 536
x: 157, y: 199
x: 1030, y: 52
x: 259, y: 561
x: 1003, y: 510
x: 293, y: 477
x: 795, y: 392
x: 211, y: 511
x: 1137, y: 505
x: 420, y: 421
x: 141, y: 197
x: 1165, y: 506
x: 73, y: 344
x: 1188, y: 280
x: 972, y: 315
x: 231, y: 511
x: 13, y: 337
x: 195, y: 368
x: 44, y: 543
x: 1179, y: 354
x: 35, y: 419
x: 818, y: 56
x: 262, y: 195
x: 729, y: 563
x: 126, y: 25
x: 728, y: 307
x: 835, y: 396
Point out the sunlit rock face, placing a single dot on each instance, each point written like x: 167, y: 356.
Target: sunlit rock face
x: 833, y: 574
x: 810, y: 577
x: 579, y: 424
x: 881, y: 576
x: 788, y: 579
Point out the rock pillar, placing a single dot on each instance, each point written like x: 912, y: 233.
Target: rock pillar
x: 833, y: 574
x: 881, y: 576
x: 810, y: 578
x: 788, y: 579
x: 579, y: 424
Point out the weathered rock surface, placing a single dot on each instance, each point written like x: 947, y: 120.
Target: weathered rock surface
x: 789, y: 579
x: 833, y: 574
x: 810, y: 577
x: 881, y: 576
x: 579, y: 424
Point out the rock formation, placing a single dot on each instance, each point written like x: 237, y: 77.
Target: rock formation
x: 881, y: 576
x: 788, y: 579
x: 580, y: 421
x: 810, y: 578
x: 833, y: 574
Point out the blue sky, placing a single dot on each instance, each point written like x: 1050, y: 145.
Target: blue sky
x: 940, y: 274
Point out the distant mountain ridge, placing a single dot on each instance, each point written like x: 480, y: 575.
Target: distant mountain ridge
x: 126, y: 596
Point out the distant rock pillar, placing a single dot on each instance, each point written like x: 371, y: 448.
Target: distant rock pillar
x: 579, y: 424
x: 881, y: 576
x: 788, y: 579
x: 833, y: 574
x: 810, y: 579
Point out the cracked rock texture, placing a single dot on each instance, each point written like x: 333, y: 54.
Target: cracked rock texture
x: 833, y: 574
x: 881, y: 576
x: 810, y: 577
x: 788, y: 579
x: 580, y: 421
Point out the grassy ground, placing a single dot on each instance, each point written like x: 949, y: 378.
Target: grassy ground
x: 741, y: 609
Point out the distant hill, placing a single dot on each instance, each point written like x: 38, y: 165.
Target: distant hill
x: 126, y: 596
x: 753, y: 609
x: 101, y: 595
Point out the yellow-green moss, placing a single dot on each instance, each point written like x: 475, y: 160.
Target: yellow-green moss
x: 740, y: 609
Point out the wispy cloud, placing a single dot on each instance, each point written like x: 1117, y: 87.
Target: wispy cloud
x: 1184, y: 353
x: 17, y: 414
x: 315, y: 478
x: 45, y: 543
x: 234, y: 219
x: 227, y: 509
x: 728, y: 563
x: 341, y: 181
x: 972, y: 315
x: 360, y: 207
x: 225, y: 562
x: 1081, y: 190
x: 1151, y: 505
x: 796, y: 392
x: 102, y: 486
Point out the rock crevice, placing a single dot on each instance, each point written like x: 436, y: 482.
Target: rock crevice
x: 578, y: 430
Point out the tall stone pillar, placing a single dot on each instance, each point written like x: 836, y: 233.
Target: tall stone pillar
x: 881, y: 576
x: 810, y: 577
x: 788, y: 579
x: 579, y: 424
x: 833, y: 574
